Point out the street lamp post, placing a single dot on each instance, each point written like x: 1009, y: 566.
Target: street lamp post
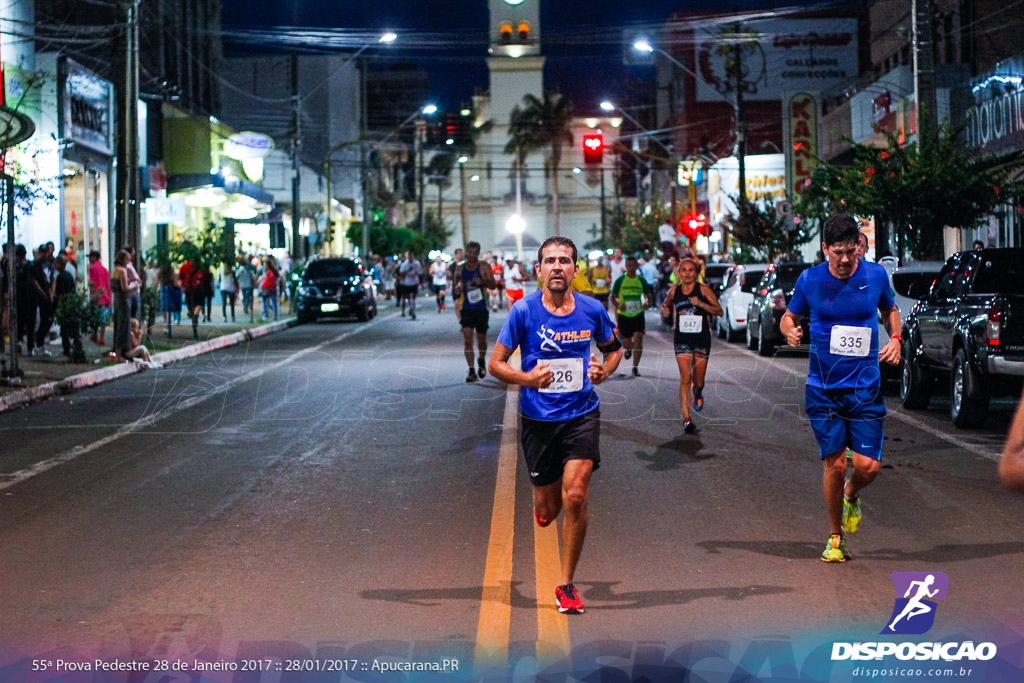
x: 737, y: 103
x: 516, y: 225
x: 609, y: 106
x: 386, y: 37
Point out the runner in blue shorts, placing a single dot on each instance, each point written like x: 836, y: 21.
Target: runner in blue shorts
x: 843, y: 397
x: 560, y: 426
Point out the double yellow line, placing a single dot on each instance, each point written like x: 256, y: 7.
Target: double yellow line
x: 493, y: 628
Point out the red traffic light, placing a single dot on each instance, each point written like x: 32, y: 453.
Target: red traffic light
x: 694, y: 224
x: 593, y: 148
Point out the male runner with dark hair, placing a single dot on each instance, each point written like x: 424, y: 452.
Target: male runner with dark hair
x: 843, y: 396
x: 560, y: 416
x: 468, y: 282
x: 631, y: 295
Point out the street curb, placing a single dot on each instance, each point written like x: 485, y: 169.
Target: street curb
x: 93, y: 377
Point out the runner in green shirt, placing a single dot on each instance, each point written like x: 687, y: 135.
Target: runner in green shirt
x: 631, y: 294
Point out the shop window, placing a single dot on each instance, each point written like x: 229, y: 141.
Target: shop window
x: 505, y: 33
x: 524, y: 32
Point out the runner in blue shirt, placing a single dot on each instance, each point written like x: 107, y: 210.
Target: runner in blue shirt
x: 560, y: 418
x: 843, y: 397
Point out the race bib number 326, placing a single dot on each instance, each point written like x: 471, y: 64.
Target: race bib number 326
x: 567, y: 375
x: 850, y: 341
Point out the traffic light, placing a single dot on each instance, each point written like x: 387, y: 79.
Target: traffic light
x: 694, y: 224
x: 593, y: 148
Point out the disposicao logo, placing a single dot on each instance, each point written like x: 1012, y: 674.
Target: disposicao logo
x: 912, y: 614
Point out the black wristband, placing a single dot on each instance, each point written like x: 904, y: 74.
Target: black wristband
x: 610, y: 346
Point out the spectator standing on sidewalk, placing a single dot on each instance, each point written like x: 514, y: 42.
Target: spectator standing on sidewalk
x: 167, y: 280
x: 63, y: 285
x: 228, y: 291
x: 43, y: 300
x: 268, y: 286
x: 190, y: 277
x: 206, y: 284
x: 120, y: 292
x: 244, y: 283
x: 134, y: 282
x: 99, y: 292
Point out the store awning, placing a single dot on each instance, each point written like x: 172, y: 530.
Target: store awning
x: 230, y: 185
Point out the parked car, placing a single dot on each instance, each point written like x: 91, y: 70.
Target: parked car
x: 770, y: 301
x: 335, y: 287
x: 714, y: 274
x: 736, y: 296
x: 909, y: 283
x: 968, y: 333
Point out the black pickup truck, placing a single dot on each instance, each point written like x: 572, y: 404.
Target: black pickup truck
x: 968, y: 331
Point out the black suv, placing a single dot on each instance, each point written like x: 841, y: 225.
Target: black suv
x: 771, y: 299
x: 335, y: 287
x: 968, y: 334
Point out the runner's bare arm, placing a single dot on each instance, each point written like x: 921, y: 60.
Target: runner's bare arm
x: 538, y: 378
x: 714, y: 308
x: 790, y: 328
x: 1011, y: 466
x: 890, y: 353
x: 487, y: 275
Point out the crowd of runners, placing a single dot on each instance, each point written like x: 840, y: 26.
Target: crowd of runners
x: 579, y: 309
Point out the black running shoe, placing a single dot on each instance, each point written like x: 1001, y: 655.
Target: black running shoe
x: 481, y: 367
x: 689, y: 427
x: 471, y: 377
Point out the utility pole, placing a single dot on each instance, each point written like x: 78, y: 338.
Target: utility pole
x: 418, y: 141
x: 924, y: 63
x: 127, y: 229
x: 297, y: 249
x: 741, y: 124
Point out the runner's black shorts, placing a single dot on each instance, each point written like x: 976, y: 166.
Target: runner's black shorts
x: 476, y: 319
x: 630, y: 325
x: 547, y: 446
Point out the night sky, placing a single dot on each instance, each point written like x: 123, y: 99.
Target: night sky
x: 581, y: 39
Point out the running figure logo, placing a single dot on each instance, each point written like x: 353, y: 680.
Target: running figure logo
x: 914, y: 613
x: 548, y: 344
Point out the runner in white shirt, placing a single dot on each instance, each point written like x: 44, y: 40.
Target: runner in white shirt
x: 617, y: 264
x: 514, y: 278
x: 439, y: 273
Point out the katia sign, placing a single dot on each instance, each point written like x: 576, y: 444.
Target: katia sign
x: 802, y: 145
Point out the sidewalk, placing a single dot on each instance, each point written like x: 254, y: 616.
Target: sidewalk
x: 46, y: 376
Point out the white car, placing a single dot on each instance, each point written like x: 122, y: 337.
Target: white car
x: 909, y: 283
x: 736, y: 297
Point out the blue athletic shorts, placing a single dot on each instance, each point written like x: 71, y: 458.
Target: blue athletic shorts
x: 846, y: 418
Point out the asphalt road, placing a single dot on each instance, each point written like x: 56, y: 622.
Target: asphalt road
x: 337, y: 492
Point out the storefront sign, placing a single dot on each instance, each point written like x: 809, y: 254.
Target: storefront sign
x: 248, y: 145
x: 802, y: 141
x: 995, y: 121
x: 792, y: 54
x: 88, y: 109
x: 162, y: 210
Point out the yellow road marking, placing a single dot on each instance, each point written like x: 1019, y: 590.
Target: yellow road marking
x: 492, y: 632
x: 552, y: 627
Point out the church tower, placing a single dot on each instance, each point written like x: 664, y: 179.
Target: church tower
x: 516, y: 68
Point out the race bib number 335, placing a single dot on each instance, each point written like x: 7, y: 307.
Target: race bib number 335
x: 850, y: 341
x: 567, y: 375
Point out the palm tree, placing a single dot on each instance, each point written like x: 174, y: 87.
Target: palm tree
x: 542, y: 124
x: 466, y: 146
